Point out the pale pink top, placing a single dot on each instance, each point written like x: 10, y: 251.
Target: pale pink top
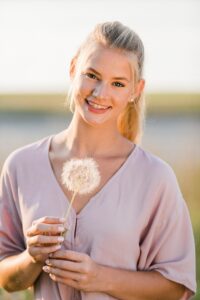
x: 138, y: 220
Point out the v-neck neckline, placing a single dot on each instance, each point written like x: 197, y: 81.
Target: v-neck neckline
x: 131, y: 155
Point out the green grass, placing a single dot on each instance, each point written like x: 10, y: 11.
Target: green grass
x: 173, y: 103
x: 188, y: 178
x: 24, y: 295
x: 33, y: 102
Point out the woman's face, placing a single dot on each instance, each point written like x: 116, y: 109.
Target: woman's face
x: 103, y: 85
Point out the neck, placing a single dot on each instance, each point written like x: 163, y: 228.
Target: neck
x: 84, y: 140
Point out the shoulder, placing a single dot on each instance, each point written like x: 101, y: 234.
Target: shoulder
x: 26, y: 155
x: 158, y: 184
x: 155, y: 174
x: 154, y: 166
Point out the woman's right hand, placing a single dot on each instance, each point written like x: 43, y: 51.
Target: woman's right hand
x: 44, y: 237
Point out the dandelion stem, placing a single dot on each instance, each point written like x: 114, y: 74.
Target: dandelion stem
x: 70, y: 205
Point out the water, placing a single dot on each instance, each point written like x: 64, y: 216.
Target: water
x: 174, y: 138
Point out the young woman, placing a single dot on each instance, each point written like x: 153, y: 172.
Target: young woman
x: 129, y: 239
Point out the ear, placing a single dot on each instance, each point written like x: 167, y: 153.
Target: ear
x: 139, y: 88
x: 72, y: 68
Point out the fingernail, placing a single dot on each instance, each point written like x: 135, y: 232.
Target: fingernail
x: 61, y: 229
x: 62, y: 220
x: 50, y: 254
x: 47, y: 261
x: 46, y: 269
x: 60, y: 239
x: 52, y: 276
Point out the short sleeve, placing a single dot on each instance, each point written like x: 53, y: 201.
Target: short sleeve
x: 167, y: 245
x: 11, y: 233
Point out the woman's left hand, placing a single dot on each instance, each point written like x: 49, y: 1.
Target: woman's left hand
x: 75, y: 269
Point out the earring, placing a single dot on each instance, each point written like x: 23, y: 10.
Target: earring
x: 132, y: 98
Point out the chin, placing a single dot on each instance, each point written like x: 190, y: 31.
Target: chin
x: 94, y: 123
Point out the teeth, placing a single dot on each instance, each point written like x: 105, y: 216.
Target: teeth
x: 98, y: 106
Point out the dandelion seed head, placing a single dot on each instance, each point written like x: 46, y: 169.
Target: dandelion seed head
x: 81, y: 175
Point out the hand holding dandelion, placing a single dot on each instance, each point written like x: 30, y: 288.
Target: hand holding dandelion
x: 80, y: 176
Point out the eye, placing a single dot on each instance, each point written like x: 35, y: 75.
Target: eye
x: 91, y: 75
x: 118, y: 84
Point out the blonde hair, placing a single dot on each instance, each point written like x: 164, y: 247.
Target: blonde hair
x: 116, y: 35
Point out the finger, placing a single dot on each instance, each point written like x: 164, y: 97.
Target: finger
x: 44, y: 239
x: 62, y: 273
x: 65, y: 265
x: 65, y: 281
x: 43, y: 250
x: 39, y: 228
x: 49, y: 220
x: 70, y: 255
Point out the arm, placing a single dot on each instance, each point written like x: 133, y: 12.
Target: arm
x: 149, y: 285
x: 20, y: 271
x: 81, y: 272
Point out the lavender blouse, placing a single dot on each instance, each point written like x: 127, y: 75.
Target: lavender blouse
x: 137, y: 221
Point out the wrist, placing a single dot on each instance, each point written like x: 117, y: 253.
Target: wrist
x: 104, y: 279
x: 33, y: 260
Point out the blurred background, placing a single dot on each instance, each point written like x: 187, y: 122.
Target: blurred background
x: 38, y: 40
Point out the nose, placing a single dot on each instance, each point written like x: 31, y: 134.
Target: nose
x: 101, y: 91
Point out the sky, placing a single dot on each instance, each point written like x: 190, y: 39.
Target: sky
x: 38, y: 38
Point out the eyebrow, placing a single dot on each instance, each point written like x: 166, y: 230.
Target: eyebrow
x: 115, y: 78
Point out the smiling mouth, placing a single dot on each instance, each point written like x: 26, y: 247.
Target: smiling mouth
x: 97, y: 106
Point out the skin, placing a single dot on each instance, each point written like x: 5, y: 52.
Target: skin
x: 81, y: 272
x: 96, y: 81
x: 20, y: 271
x: 110, y: 85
